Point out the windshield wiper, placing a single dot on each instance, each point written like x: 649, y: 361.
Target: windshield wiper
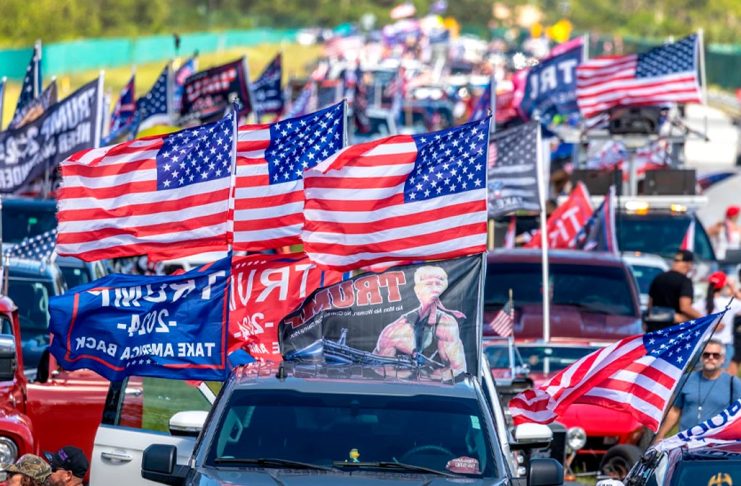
x: 270, y: 462
x: 393, y: 465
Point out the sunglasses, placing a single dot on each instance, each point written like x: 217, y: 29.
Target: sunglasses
x: 711, y: 355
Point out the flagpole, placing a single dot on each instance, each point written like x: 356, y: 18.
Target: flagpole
x: 344, y: 123
x: 233, y: 179
x: 493, y: 101
x: 703, y: 79
x: 2, y: 99
x: 480, y: 309
x: 543, y: 237
x: 37, y: 81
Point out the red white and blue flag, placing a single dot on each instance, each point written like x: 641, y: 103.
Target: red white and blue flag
x: 483, y: 105
x: 724, y: 428
x: 164, y: 196
x: 662, y: 74
x: 403, y: 197
x: 122, y: 118
x: 154, y: 108
x: 599, y: 232
x: 31, y: 87
x: 636, y: 375
x: 269, y: 197
x: 306, y: 102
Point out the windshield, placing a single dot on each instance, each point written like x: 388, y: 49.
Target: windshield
x: 548, y: 359
x: 421, y: 430
x: 32, y: 299
x: 660, y: 233
x: 591, y: 287
x: 74, y: 276
x: 707, y: 472
x: 23, y: 221
x: 644, y: 276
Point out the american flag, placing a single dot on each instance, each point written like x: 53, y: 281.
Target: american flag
x: 503, y: 320
x: 269, y: 196
x: 483, y: 104
x: 31, y: 87
x: 399, y: 198
x: 513, y: 170
x: 154, y: 107
x: 662, y: 74
x: 599, y: 232
x: 39, y: 247
x: 637, y: 375
x: 123, y: 113
x: 186, y: 69
x: 165, y: 196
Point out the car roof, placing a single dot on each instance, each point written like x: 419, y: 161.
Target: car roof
x: 534, y: 255
x: 18, y: 201
x: 645, y: 259
x: 359, y: 379
x: 34, y: 269
x: 730, y: 451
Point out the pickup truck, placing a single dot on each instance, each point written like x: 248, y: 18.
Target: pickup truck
x: 339, y: 424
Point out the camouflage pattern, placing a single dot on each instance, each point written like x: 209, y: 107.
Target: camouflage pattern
x: 31, y: 465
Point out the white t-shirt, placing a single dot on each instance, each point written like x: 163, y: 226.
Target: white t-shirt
x: 724, y: 335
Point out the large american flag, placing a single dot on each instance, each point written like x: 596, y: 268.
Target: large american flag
x: 165, y: 196
x: 637, y: 375
x: 513, y: 170
x: 154, y: 107
x: 662, y: 74
x: 398, y: 198
x: 269, y: 196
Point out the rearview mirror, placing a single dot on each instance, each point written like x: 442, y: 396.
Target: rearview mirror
x: 159, y: 464
x: 8, y: 361
x: 545, y: 472
x: 187, y: 423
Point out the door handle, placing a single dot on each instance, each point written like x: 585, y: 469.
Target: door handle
x: 116, y: 456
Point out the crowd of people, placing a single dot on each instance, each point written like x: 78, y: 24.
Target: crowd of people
x: 65, y: 467
x: 714, y: 385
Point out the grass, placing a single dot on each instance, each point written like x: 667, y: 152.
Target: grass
x: 163, y: 398
x: 296, y: 59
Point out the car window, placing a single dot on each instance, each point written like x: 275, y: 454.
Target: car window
x: 74, y: 276
x: 644, y: 275
x: 661, y: 234
x: 423, y: 430
x: 548, y: 359
x: 591, y: 287
x: 6, y: 327
x: 716, y: 473
x: 32, y: 299
x: 21, y: 222
x: 703, y: 248
x: 149, y: 403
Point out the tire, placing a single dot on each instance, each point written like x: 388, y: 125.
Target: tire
x: 619, y: 460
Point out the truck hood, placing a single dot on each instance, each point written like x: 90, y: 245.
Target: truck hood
x: 285, y: 477
x: 571, y: 322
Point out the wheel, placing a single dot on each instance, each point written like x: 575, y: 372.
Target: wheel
x: 619, y: 460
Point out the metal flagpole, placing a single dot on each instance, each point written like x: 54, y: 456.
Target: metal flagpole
x: 543, y: 238
x: 344, y: 123
x: 703, y: 79
x: 37, y: 82
x: 480, y: 311
x: 233, y: 179
x: 2, y: 98
x: 493, y: 101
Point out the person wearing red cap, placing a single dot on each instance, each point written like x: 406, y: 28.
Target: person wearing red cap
x: 726, y: 234
x: 722, y: 293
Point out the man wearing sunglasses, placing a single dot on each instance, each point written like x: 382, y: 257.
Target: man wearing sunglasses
x: 706, y: 392
x: 69, y: 466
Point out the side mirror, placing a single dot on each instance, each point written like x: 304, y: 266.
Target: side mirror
x: 188, y: 423
x: 159, y: 464
x: 8, y: 361
x: 532, y: 436
x: 545, y: 472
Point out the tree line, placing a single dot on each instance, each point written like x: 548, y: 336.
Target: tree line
x: 22, y: 22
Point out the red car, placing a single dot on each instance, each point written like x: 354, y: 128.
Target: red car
x: 594, y: 301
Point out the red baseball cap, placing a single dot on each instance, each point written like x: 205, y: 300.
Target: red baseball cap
x: 732, y: 211
x: 717, y: 280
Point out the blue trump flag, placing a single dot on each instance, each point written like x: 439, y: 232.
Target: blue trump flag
x: 160, y: 326
x: 550, y: 87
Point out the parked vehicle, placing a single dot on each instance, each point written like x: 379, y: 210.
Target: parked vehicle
x: 77, y: 272
x: 593, y: 295
x: 16, y: 429
x: 714, y: 465
x: 645, y: 267
x: 339, y: 424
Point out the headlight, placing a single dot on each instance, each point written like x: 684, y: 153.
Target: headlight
x: 8, y: 451
x: 576, y: 438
